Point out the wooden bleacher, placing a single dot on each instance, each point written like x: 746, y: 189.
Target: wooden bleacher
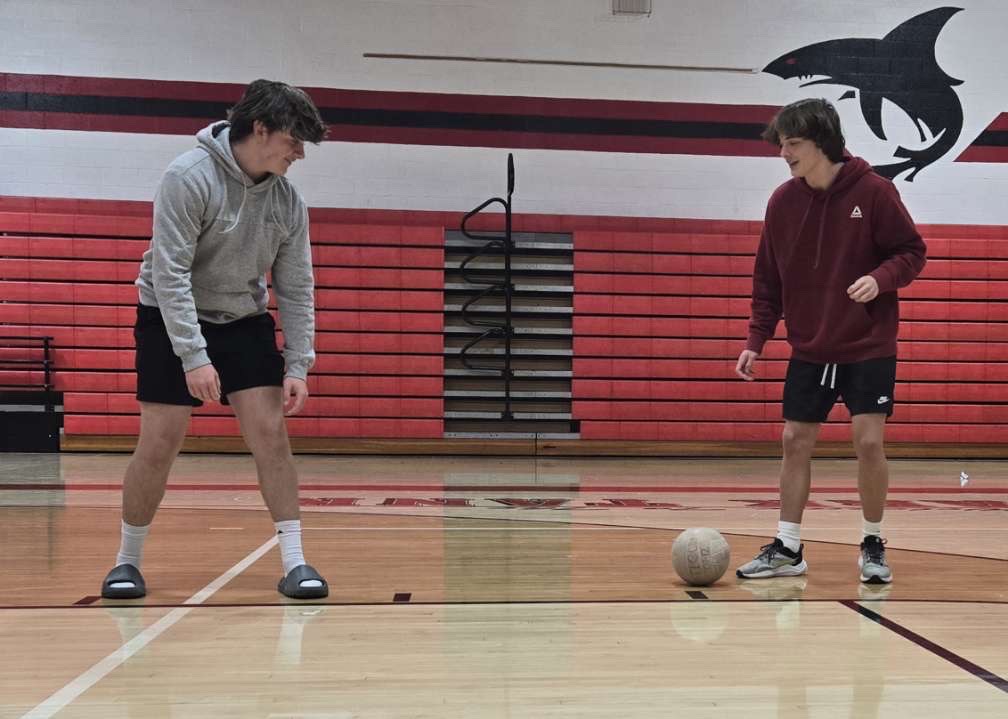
x: 660, y: 313
x: 660, y: 317
x: 379, y: 342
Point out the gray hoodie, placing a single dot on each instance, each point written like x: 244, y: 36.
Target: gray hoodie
x: 216, y: 235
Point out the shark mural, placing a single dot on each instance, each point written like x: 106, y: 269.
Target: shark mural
x: 900, y: 67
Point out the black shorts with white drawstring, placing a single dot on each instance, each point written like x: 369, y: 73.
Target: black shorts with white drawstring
x: 243, y: 352
x: 811, y: 389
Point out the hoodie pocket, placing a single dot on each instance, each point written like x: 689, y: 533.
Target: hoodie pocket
x: 826, y: 319
x: 853, y: 325
x: 802, y: 320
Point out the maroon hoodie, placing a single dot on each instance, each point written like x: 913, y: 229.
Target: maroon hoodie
x: 815, y: 244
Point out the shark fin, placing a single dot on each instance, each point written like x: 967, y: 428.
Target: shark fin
x: 923, y: 30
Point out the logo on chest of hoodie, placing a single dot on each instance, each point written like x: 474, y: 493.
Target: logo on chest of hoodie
x: 856, y: 212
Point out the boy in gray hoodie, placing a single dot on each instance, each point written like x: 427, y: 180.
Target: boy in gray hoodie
x: 224, y: 216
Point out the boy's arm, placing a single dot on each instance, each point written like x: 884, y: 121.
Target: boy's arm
x: 896, y: 235
x: 178, y: 212
x: 294, y: 285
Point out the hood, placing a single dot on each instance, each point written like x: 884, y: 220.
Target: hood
x: 215, y: 140
x: 854, y: 168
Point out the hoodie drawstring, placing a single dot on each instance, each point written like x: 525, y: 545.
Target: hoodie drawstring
x: 804, y: 218
x: 272, y: 204
x: 215, y: 141
x: 822, y: 226
x: 240, y: 207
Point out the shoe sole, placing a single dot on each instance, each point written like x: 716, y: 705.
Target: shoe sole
x: 123, y: 593
x: 788, y: 570
x: 874, y: 578
x: 307, y: 593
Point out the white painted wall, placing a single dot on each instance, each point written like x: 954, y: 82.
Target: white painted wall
x: 320, y: 43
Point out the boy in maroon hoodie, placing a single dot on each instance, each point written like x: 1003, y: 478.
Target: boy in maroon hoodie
x: 837, y: 242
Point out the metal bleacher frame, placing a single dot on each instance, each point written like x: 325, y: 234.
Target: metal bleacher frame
x: 30, y: 415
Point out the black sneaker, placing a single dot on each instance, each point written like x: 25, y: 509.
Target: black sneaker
x: 874, y: 568
x: 774, y: 560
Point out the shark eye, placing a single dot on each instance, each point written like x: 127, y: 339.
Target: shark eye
x: 790, y: 61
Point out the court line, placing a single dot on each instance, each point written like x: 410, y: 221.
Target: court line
x: 522, y: 602
x: 953, y: 488
x: 965, y: 664
x: 566, y: 528
x: 756, y: 532
x: 62, y: 697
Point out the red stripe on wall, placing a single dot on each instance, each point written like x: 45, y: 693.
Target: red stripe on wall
x: 984, y: 153
x: 427, y: 102
x: 119, y: 87
x: 102, y: 123
x: 1000, y: 123
x: 406, y: 135
x: 391, y: 100
x: 403, y: 101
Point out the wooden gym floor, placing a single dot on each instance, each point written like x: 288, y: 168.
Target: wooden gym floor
x: 484, y: 587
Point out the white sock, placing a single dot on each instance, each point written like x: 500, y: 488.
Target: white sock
x: 289, y: 536
x: 871, y: 529
x: 790, y: 534
x: 291, y: 554
x: 131, y: 544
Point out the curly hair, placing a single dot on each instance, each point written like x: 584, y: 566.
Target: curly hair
x: 813, y: 119
x: 278, y: 106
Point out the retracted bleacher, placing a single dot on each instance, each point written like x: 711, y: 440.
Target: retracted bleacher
x: 67, y: 270
x: 659, y: 317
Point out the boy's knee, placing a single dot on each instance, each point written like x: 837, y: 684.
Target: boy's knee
x: 797, y: 438
x: 869, y: 445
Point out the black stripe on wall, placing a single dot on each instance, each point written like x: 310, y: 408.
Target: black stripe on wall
x: 160, y: 107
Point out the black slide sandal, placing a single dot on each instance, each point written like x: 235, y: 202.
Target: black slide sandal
x: 290, y: 586
x: 124, y: 573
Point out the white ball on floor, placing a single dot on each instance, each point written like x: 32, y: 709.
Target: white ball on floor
x: 700, y: 555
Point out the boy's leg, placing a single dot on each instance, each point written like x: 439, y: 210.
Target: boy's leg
x: 868, y: 393
x: 798, y: 441
x: 873, y: 468
x: 165, y: 407
x: 783, y: 556
x: 162, y: 430
x: 809, y: 393
x: 873, y: 486
x: 260, y: 413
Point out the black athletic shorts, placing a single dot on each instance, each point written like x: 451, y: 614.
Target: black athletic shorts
x: 811, y: 389
x: 243, y: 352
